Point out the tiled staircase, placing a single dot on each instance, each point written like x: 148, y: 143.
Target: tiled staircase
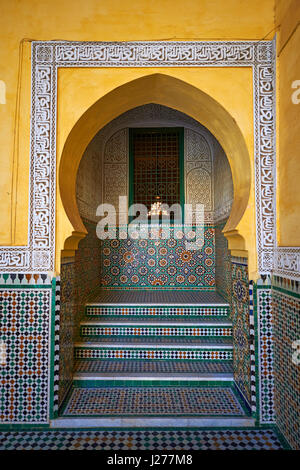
x: 154, y: 343
x: 155, y: 360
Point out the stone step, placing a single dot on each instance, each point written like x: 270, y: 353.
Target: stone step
x: 161, y: 329
x: 205, y: 310
x: 104, y: 371
x: 138, y: 422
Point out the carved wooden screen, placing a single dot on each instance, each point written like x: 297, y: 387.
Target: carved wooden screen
x: 156, y: 166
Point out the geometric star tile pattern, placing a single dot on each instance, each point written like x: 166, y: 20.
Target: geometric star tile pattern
x: 151, y: 401
x: 286, y: 330
x: 24, y: 329
x: 241, y: 328
x: 226, y: 439
x: 160, y: 366
x: 159, y: 263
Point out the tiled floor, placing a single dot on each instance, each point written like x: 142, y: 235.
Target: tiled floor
x: 161, y: 366
x: 239, y: 439
x: 140, y: 297
x: 153, y: 401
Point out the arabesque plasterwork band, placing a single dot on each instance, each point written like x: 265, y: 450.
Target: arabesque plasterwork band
x: 47, y: 57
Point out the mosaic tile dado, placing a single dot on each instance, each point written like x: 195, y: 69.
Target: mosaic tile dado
x: 87, y: 265
x: 161, y: 263
x: 223, y: 263
x: 56, y: 348
x: 111, y: 330
x: 286, y: 331
x: 25, y: 330
x: 179, y: 439
x: 80, y: 276
x: 252, y: 337
x: 166, y: 401
x: 67, y: 315
x: 265, y: 339
x: 241, y: 329
x: 150, y: 366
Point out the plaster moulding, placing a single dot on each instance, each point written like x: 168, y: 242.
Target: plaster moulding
x: 48, y: 56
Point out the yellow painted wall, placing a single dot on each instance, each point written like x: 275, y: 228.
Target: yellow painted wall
x: 288, y: 122
x: 110, y: 21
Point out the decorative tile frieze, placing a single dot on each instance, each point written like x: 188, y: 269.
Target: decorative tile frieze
x: 288, y: 284
x: 94, y: 330
x: 155, y: 353
x: 56, y: 347
x: 154, y: 311
x: 252, y: 346
x: 148, y: 366
x: 265, y: 353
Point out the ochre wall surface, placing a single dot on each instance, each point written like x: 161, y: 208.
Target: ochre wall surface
x: 28, y: 20
x: 288, y: 122
x: 285, y: 294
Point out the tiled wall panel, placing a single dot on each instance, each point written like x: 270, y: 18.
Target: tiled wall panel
x: 80, y: 276
x: 68, y: 313
x: 241, y: 328
x: 286, y: 312
x: 223, y: 263
x: 265, y: 354
x: 159, y: 263
x: 25, y: 334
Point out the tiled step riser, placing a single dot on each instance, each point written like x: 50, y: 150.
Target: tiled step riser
x: 139, y: 353
x: 212, y: 311
x: 156, y: 331
x: 137, y: 368
x: 153, y: 382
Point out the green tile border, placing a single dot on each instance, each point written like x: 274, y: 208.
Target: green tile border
x: 159, y: 382
x: 52, y: 350
x: 286, y: 292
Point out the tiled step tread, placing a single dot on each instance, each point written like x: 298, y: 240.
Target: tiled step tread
x: 105, y: 366
x: 175, y: 341
x: 153, y: 401
x: 162, y: 321
x: 158, y: 318
x: 155, y: 296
